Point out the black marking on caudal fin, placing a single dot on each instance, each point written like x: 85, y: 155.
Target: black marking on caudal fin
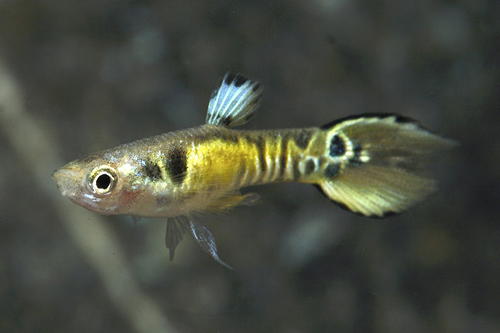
x: 356, y: 158
x: 398, y: 118
x: 337, y: 146
x: 332, y: 170
x: 234, y: 102
x: 310, y: 167
x: 176, y: 164
x: 381, y: 159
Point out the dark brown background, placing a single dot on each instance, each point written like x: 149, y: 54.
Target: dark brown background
x: 97, y: 73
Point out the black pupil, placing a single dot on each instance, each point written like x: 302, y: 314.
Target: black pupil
x: 103, y: 181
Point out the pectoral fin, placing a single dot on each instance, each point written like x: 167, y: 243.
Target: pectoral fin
x: 177, y: 226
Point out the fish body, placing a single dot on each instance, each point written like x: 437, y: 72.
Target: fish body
x: 369, y: 164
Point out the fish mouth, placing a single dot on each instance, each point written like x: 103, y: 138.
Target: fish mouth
x: 71, y: 182
x: 56, y: 175
x: 66, y: 181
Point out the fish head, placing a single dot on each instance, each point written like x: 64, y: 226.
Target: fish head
x: 99, y: 183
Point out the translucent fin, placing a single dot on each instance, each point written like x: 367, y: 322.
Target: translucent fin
x: 377, y: 191
x: 232, y: 200
x: 206, y: 241
x: 234, y: 102
x: 176, y: 227
x: 377, y: 163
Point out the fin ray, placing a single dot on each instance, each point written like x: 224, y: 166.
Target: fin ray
x: 234, y: 102
x: 176, y: 227
x: 232, y: 200
x: 205, y: 240
x: 377, y: 191
x: 380, y: 170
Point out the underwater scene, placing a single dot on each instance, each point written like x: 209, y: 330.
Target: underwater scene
x: 315, y: 166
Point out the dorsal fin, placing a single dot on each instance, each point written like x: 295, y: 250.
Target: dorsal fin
x: 234, y: 102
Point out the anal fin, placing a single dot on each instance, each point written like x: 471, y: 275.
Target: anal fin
x: 232, y: 200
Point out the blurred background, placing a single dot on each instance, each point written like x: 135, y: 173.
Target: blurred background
x: 80, y: 76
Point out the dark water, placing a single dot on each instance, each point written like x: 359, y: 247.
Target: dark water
x: 98, y: 73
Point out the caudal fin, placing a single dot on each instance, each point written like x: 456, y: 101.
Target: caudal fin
x: 380, y: 159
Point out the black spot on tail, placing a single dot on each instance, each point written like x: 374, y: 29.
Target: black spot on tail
x: 356, y: 159
x: 176, y: 164
x: 152, y: 170
x: 332, y: 170
x: 398, y: 118
x: 337, y: 146
x: 310, y: 167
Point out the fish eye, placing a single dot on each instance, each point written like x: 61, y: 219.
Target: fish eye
x: 102, y: 180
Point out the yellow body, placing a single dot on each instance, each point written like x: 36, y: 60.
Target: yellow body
x: 202, y: 169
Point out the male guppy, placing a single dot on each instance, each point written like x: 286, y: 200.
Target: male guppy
x: 369, y: 164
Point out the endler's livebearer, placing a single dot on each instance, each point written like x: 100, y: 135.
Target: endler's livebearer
x: 369, y: 164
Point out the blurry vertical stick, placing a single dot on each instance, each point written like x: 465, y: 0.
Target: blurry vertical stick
x: 89, y: 232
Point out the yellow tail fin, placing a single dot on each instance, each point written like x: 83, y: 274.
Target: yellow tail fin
x: 380, y: 160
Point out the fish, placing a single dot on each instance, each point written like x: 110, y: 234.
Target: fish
x: 371, y: 164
